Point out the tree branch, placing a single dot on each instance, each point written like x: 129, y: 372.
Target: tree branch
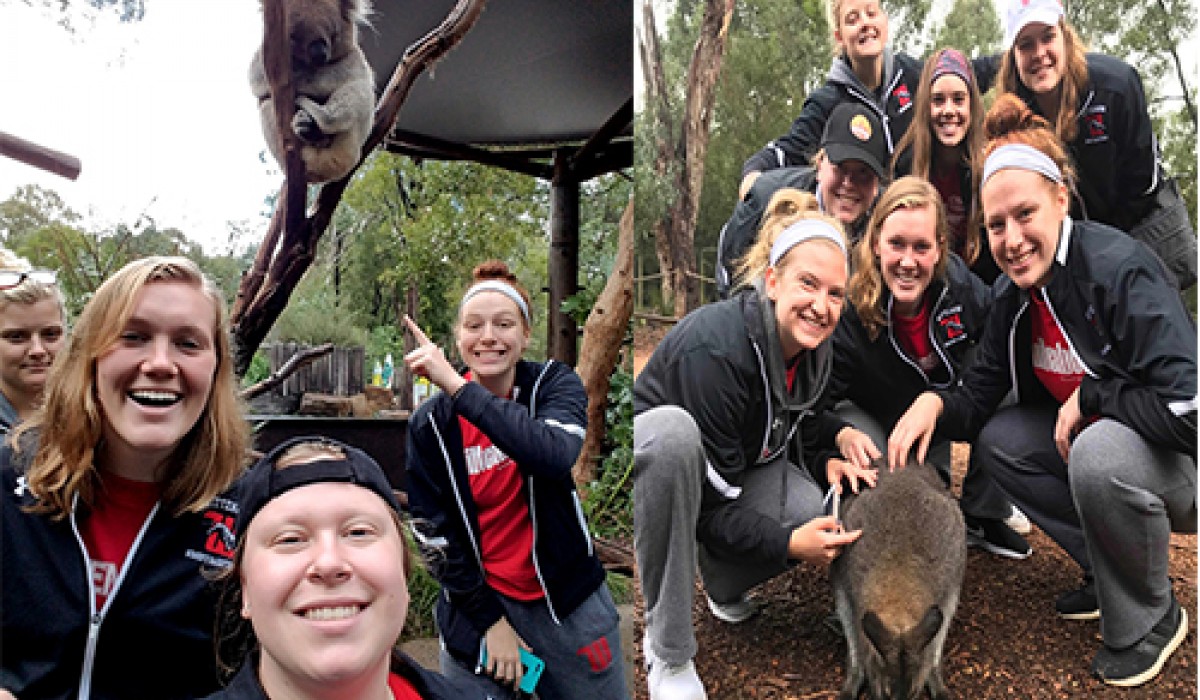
x: 294, y: 363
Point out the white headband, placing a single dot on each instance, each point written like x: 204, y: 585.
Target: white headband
x: 497, y: 286
x: 801, y: 231
x: 1022, y: 156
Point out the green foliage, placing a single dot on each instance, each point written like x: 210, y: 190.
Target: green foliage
x: 972, y: 26
x: 609, y: 502
x: 260, y: 369
x: 316, y: 315
x: 423, y: 591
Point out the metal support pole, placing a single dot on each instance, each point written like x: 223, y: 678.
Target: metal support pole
x: 561, y: 330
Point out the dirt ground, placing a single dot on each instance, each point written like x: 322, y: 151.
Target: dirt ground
x: 1005, y: 641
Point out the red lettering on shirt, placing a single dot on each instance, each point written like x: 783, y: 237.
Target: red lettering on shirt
x: 506, y: 529
x: 1055, y: 366
x: 108, y: 531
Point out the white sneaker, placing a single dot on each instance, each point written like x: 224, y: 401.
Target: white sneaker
x: 672, y: 682
x: 1018, y: 522
x: 738, y: 611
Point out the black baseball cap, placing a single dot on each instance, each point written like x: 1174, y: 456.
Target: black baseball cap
x: 262, y: 483
x: 853, y: 132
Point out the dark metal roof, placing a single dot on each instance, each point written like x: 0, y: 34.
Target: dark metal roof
x: 529, y: 76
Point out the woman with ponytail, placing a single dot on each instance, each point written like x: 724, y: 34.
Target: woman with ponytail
x: 1100, y: 352
x: 722, y: 409
x: 490, y: 485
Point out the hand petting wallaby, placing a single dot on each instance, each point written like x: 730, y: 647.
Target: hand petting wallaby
x: 897, y: 587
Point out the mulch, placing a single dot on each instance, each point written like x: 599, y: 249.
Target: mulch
x: 1005, y: 641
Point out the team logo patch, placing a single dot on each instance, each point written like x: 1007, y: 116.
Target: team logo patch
x: 219, y: 535
x: 951, y: 323
x: 1097, y: 125
x: 860, y: 127
x: 902, y: 95
x: 598, y: 654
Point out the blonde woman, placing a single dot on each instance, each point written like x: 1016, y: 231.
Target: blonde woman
x: 112, y: 496
x: 33, y: 327
x: 721, y: 407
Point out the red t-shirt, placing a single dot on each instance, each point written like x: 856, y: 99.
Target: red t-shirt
x: 506, y: 529
x: 949, y: 185
x: 1055, y: 366
x: 402, y: 689
x: 122, y: 506
x: 912, y: 332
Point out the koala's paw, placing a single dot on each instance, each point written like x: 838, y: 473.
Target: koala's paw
x: 306, y: 128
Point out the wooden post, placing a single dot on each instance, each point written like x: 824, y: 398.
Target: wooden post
x: 57, y: 162
x: 564, y: 260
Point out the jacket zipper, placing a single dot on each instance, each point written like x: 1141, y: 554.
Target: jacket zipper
x: 96, y: 619
x: 1012, y: 352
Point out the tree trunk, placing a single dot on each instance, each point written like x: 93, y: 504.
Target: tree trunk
x: 681, y: 149
x: 280, y: 264
x: 603, y: 337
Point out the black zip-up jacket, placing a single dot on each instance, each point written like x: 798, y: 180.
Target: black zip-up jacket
x: 1124, y: 322
x: 739, y: 233
x: 153, y: 639
x: 892, y: 103
x: 1114, y: 152
x: 542, y: 429
x: 723, y: 365
x: 879, y: 377
x: 430, y: 685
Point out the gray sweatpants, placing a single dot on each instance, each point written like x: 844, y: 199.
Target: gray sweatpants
x: 668, y: 479
x: 980, y: 498
x: 1112, y: 509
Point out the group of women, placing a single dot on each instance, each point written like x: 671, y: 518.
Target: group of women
x: 142, y: 558
x: 1016, y: 287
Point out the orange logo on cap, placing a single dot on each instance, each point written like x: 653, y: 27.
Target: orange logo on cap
x: 860, y: 127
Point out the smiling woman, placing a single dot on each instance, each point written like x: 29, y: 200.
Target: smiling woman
x: 113, y: 496
x: 33, y: 319
x: 321, y: 575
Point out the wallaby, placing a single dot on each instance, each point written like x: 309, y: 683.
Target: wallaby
x: 897, y: 586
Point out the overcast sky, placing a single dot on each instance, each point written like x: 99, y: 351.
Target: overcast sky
x: 158, y: 111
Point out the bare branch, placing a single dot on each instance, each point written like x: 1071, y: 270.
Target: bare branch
x: 294, y: 363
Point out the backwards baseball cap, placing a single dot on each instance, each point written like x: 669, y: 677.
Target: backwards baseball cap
x: 854, y: 133
x: 263, y: 483
x: 1023, y: 12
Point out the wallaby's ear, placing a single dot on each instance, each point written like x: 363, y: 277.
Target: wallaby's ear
x: 878, y: 634
x: 928, y: 627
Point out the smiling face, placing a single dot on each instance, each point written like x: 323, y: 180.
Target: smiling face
x: 808, y: 287
x: 862, y: 29
x: 1040, y: 57
x: 908, y: 254
x: 1023, y: 212
x: 153, y: 384
x: 491, y: 337
x: 950, y: 110
x: 847, y: 189
x: 30, y: 336
x: 323, y: 584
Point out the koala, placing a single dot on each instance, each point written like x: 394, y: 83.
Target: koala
x: 335, y: 88
x: 898, y: 585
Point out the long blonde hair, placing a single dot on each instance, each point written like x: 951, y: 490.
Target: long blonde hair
x: 866, y: 284
x: 69, y: 426
x: 1074, y: 80
x: 786, y: 207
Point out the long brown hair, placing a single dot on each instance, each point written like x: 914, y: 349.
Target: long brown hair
x: 69, y: 426
x: 1074, y: 79
x: 921, y: 143
x: 866, y: 284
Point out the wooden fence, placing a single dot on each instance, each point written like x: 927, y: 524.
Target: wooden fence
x: 339, y: 373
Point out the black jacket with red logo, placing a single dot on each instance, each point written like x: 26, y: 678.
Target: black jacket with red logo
x: 879, y: 377
x: 153, y: 638
x: 1114, y: 152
